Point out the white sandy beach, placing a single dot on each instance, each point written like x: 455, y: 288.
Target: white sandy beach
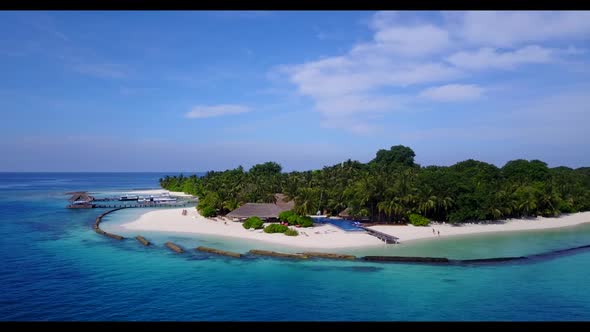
x: 324, y: 236
x: 410, y: 232
x: 328, y: 236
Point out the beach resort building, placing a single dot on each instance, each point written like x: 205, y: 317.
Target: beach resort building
x: 265, y: 211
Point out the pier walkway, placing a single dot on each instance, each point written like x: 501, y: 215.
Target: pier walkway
x: 381, y: 236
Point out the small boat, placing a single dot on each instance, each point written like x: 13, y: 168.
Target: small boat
x: 129, y: 198
x: 164, y: 199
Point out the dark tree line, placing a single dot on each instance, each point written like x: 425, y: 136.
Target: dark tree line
x: 392, y: 186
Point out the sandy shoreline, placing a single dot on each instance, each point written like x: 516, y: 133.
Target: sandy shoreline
x: 324, y: 236
x: 330, y: 237
x: 410, y: 233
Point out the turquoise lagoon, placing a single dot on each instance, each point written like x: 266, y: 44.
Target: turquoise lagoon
x: 55, y: 268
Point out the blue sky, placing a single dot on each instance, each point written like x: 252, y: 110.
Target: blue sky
x: 193, y: 91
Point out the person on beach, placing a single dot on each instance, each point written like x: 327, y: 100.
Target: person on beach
x: 433, y: 233
x: 438, y: 233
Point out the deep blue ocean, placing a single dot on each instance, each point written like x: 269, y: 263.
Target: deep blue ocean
x: 54, y: 267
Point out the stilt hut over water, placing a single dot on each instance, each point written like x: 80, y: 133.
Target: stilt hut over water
x: 80, y: 199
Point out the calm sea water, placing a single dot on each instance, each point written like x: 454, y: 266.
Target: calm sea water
x: 54, y: 267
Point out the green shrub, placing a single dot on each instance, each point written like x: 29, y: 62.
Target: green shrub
x: 253, y: 222
x: 208, y: 211
x: 305, y: 221
x: 291, y: 232
x: 284, y: 216
x: 418, y: 220
x: 292, y: 219
x: 275, y: 228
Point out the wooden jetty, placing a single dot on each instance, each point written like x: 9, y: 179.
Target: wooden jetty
x: 126, y: 206
x: 219, y: 252
x: 381, y: 236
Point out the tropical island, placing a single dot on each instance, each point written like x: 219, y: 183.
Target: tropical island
x: 392, y: 186
x: 390, y: 194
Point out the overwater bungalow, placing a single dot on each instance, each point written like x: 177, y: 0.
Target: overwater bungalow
x: 80, y: 199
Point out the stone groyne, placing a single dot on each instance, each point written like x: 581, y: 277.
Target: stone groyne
x: 174, y: 247
x: 219, y: 252
x: 328, y: 255
x: 142, y: 240
x: 276, y: 254
x: 100, y: 231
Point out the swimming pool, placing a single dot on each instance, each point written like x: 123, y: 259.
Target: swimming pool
x: 346, y: 225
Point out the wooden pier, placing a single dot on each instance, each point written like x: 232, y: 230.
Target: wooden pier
x: 127, y: 206
x: 81, y: 200
x: 388, y: 239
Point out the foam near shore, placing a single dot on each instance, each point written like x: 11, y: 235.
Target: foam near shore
x: 327, y: 236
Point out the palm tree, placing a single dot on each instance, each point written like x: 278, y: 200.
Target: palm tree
x: 305, y: 201
x: 428, y: 202
x: 231, y: 204
x: 446, y: 203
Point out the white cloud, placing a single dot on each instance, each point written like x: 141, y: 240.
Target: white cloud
x: 453, y: 92
x: 489, y: 58
x: 510, y: 28
x: 350, y: 90
x: 347, y: 86
x: 199, y: 112
x: 413, y: 40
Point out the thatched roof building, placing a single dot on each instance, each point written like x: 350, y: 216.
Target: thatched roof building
x: 263, y: 210
x: 281, y: 201
x: 345, y: 213
x: 80, y: 196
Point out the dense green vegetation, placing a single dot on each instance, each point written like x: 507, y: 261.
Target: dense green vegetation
x: 275, y: 228
x: 418, y: 220
x: 392, y: 186
x: 208, y: 211
x: 295, y: 219
x: 253, y: 222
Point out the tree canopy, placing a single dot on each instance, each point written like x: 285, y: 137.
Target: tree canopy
x: 391, y: 187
